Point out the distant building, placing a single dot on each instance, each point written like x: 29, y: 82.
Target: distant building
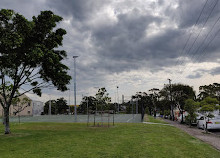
x: 30, y: 108
x: 20, y: 109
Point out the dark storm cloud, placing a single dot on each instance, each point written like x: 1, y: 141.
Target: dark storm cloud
x: 79, y: 9
x: 189, y: 11
x: 130, y: 42
x: 124, y: 44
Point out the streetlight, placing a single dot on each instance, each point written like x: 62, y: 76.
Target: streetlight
x: 75, y: 113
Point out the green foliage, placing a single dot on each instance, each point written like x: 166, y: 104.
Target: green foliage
x: 191, y: 107
x: 83, y: 105
x: 212, y: 90
x: 209, y: 104
x: 145, y: 101
x: 28, y: 51
x: 103, y: 99
x: 58, y: 106
x: 179, y: 93
x: 53, y: 107
x: 29, y: 55
x: 167, y: 112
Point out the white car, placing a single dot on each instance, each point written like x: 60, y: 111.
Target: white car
x: 212, y: 123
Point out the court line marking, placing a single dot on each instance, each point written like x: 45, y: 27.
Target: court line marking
x: 131, y: 118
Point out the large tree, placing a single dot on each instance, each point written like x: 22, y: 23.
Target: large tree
x: 154, y: 96
x: 211, y: 90
x: 53, y: 105
x: 58, y: 106
x: 144, y: 102
x: 177, y: 94
x: 29, y: 56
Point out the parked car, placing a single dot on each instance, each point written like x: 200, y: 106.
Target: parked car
x: 212, y: 123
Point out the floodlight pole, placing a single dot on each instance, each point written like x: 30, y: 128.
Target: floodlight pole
x: 117, y: 99
x: 69, y: 103
x: 75, y: 112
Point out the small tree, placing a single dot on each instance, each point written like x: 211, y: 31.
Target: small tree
x: 191, y: 107
x: 103, y: 99
x: 19, y: 104
x: 91, y: 101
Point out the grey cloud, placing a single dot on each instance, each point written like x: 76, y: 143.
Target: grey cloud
x: 215, y: 71
x: 194, y: 76
x: 189, y: 11
x: 124, y: 45
x: 79, y: 9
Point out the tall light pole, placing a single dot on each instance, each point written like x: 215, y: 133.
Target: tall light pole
x: 171, y: 99
x: 117, y: 99
x: 69, y: 103
x: 75, y: 112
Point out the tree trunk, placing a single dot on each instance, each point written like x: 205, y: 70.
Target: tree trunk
x: 182, y: 116
x: 172, y: 113
x: 6, y: 120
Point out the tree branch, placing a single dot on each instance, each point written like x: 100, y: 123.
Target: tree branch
x: 23, y: 82
x: 40, y: 85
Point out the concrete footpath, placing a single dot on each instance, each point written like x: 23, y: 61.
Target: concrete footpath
x: 209, y: 138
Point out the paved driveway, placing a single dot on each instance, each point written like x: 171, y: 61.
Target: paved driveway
x: 217, y: 132
x: 212, y: 139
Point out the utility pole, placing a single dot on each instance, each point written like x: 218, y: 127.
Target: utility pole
x: 171, y: 99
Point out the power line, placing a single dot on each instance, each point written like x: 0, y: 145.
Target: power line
x: 203, y: 51
x: 206, y: 37
x: 182, y: 52
x: 202, y: 28
x: 200, y: 33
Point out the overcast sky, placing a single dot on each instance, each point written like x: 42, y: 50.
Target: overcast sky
x: 133, y: 44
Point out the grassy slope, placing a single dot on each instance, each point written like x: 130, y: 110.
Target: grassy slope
x: 150, y: 118
x: 123, y: 140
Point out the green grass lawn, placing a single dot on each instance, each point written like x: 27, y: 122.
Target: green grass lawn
x: 150, y: 118
x: 131, y: 140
